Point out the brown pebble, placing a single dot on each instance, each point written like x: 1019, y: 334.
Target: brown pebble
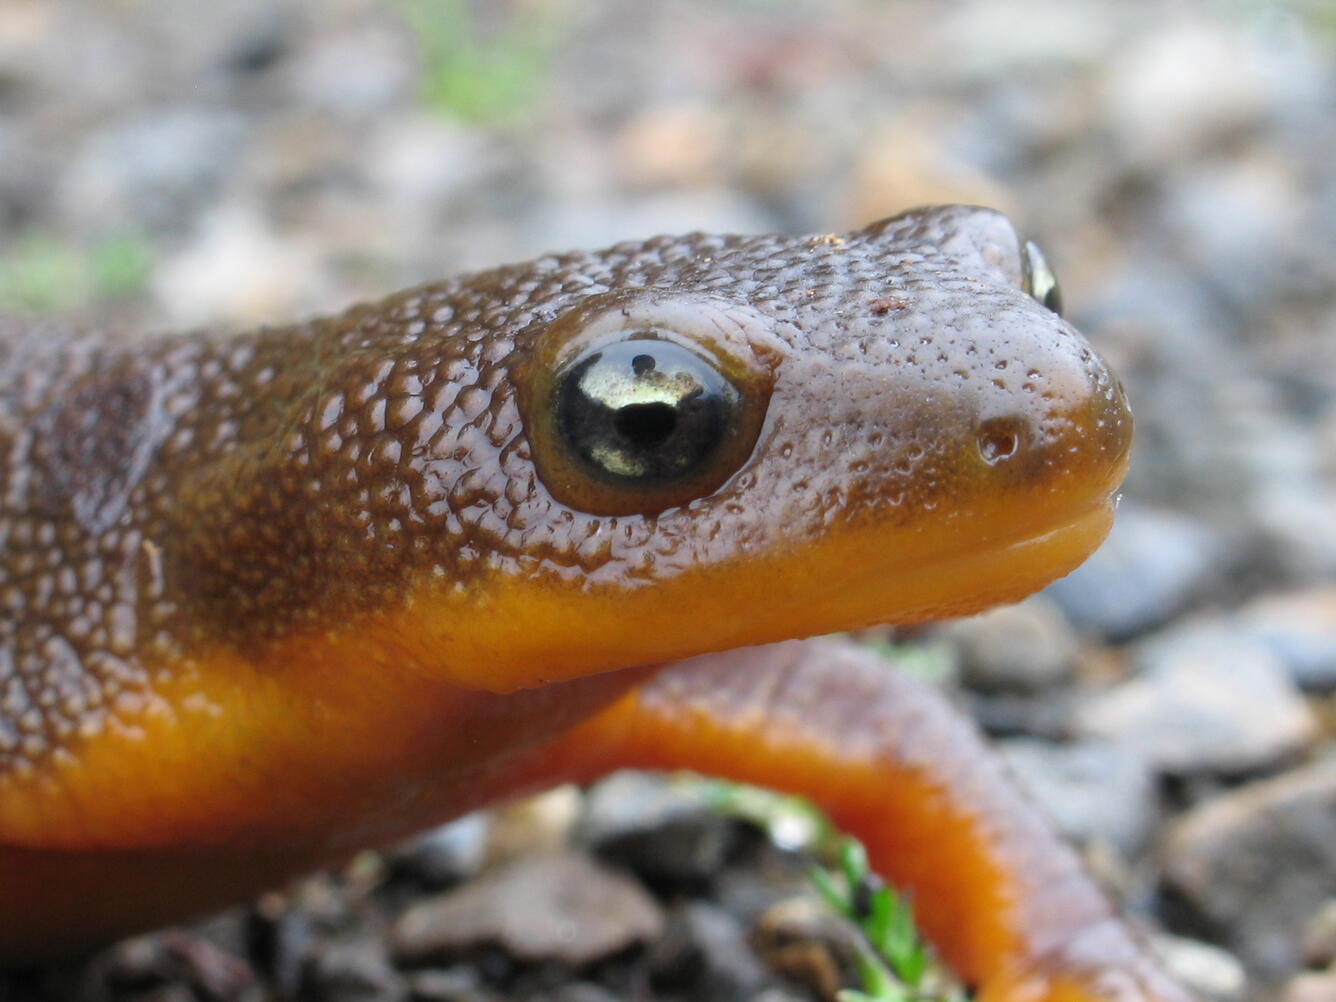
x: 1319, y: 939
x: 802, y: 939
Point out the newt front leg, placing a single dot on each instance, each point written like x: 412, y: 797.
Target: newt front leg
x: 1002, y: 898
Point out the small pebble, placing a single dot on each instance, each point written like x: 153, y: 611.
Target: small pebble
x: 1207, y: 969
x: 543, y: 823
x: 1260, y: 862
x: 1153, y: 564
x: 174, y: 955
x: 663, y: 830
x: 580, y: 991
x: 1319, y: 938
x: 354, y: 971
x: 1176, y: 92
x: 447, y: 855
x: 805, y: 941
x: 1299, y: 628
x: 1207, y: 701
x: 1093, y: 790
x: 160, y: 167
x: 448, y: 985
x: 562, y: 907
x: 704, y: 955
x: 1023, y: 648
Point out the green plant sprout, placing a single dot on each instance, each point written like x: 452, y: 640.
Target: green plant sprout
x: 478, y: 75
x: 45, y: 274
x: 894, y: 962
x: 935, y: 662
x: 792, y: 823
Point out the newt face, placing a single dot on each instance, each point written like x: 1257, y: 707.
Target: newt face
x: 779, y: 436
x: 603, y: 460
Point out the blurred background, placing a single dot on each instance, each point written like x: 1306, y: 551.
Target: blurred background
x: 168, y: 164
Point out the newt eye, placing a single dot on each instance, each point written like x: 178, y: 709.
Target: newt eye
x: 633, y: 406
x: 644, y: 412
x: 1039, y: 280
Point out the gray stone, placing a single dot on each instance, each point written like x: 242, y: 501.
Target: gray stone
x: 447, y: 985
x: 236, y: 270
x: 1206, y: 702
x: 704, y: 955
x: 1260, y: 862
x: 1020, y: 648
x: 158, y: 168
x: 1153, y: 564
x: 219, y: 41
x: 1210, y: 971
x: 1172, y: 93
x: 279, y: 937
x: 446, y: 855
x: 580, y: 991
x: 661, y: 829
x: 1300, y: 630
x: 354, y: 971
x: 562, y: 907
x: 175, y: 956
x: 759, y: 876
x: 426, y: 161
x: 364, y: 70
x: 1186, y: 387
x: 1240, y: 225
x: 1093, y: 790
x: 1289, y: 489
x: 1044, y: 715
x: 1296, y: 526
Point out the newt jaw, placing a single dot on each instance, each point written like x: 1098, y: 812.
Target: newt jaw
x: 552, y: 635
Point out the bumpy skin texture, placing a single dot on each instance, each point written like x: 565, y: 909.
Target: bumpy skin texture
x: 268, y: 598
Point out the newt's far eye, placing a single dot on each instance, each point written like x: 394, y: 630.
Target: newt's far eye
x: 1039, y: 279
x: 644, y: 411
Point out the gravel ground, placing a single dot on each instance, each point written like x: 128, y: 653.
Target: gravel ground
x: 175, y: 163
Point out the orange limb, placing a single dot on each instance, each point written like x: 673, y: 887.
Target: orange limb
x: 1004, y: 900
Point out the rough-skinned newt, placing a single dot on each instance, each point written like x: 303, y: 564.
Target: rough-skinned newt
x: 271, y: 598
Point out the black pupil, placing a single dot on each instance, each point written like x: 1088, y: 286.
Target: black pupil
x: 644, y: 410
x: 646, y: 424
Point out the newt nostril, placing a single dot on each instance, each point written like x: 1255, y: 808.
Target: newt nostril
x: 999, y: 439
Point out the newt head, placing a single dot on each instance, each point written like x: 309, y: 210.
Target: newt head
x: 703, y: 443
